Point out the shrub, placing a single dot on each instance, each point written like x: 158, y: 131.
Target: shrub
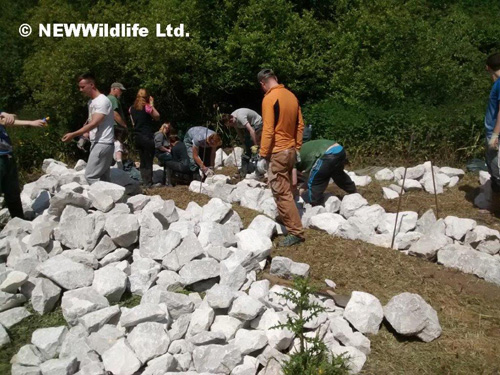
x: 312, y: 356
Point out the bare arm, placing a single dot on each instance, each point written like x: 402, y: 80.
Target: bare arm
x: 197, y: 158
x: 97, y: 118
x: 119, y: 119
x: 8, y: 119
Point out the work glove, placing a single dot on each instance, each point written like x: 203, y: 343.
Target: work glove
x: 262, y: 166
x: 81, y: 143
x: 297, y: 157
x: 208, y: 172
x: 254, y: 149
x: 493, y: 142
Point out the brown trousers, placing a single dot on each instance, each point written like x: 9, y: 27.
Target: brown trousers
x: 280, y: 179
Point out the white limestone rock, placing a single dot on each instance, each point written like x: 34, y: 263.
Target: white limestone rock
x: 457, y: 228
x: 78, y: 230
x: 351, y: 203
x: 28, y: 355
x: 254, y: 242
x: 361, y: 180
x: 249, y: 341
x: 364, y: 311
x: 246, y: 308
x: 184, y: 228
x: 226, y: 325
x: 66, y: 366
x: 82, y: 257
x: 248, y: 367
x: 49, y: 340
x: 416, y: 172
x: 389, y: 193
x: 178, y: 304
x: 259, y: 290
x: 8, y: 300
x: 78, y: 302
x: 410, y: 315
x: 110, y: 282
x: 11, y: 317
x: 123, y: 229
x: 104, y: 338
x: 170, y: 280
x: 149, y: 340
x: 4, y: 337
x: 483, y: 177
x: 95, y: 320
x: 215, y: 210
x: 143, y: 274
x: 220, y: 359
x: 431, y: 242
x: 332, y: 204
x: 468, y: 260
x: 145, y: 312
x: 62, y: 270
x: 13, y: 281
x: 220, y: 296
x: 384, y: 175
x: 426, y: 222
x: 164, y: 364
x: 158, y: 245
x: 410, y: 185
x: 164, y: 211
x: 327, y: 221
x: 64, y: 198
x: 287, y: 268
x: 201, y: 320
x: 115, y: 256
x: 189, y: 249
x: 264, y: 225
x: 452, y: 172
x: 120, y: 359
x: 137, y: 202
x: 356, y: 358
x: 199, y: 270
x: 407, y: 220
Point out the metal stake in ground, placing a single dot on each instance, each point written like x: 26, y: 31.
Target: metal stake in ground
x: 435, y: 192
x: 204, y: 152
x: 401, y: 193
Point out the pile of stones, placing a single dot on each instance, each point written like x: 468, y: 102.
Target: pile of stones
x: 93, y: 244
x: 453, y: 242
x: 418, y: 178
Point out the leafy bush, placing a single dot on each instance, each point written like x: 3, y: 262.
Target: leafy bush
x: 312, y: 356
x: 446, y: 133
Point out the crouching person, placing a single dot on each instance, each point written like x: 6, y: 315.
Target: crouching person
x: 201, y: 144
x: 321, y: 160
x: 179, y: 159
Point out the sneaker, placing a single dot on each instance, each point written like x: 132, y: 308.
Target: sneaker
x: 290, y: 240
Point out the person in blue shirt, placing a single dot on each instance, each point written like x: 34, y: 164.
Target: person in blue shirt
x: 9, y: 179
x: 492, y: 122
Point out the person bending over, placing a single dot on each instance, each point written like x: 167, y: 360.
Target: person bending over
x: 320, y: 161
x: 201, y: 144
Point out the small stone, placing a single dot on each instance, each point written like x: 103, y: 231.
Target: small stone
x: 97, y: 319
x: 220, y: 296
x: 49, y: 340
x: 198, y: 270
x: 148, y: 340
x: 245, y: 308
x: 11, y: 317
x: 66, y: 366
x: 13, y: 281
x: 249, y: 341
x: 78, y: 302
x: 8, y: 300
x: 384, y: 175
x: 62, y: 271
x: 120, y: 359
x: 142, y: 313
x: 104, y: 339
x: 110, y: 282
x: 226, y: 325
x: 4, y: 337
x: 389, y: 193
x: 28, y: 355
x: 286, y: 268
x: 216, y: 358
x: 201, y: 320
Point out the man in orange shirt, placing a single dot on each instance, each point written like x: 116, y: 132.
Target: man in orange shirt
x: 282, y: 131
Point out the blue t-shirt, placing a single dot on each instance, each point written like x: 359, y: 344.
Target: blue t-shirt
x: 492, y: 110
x: 5, y: 143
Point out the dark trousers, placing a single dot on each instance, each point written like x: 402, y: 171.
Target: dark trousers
x: 9, y: 186
x: 492, y: 164
x: 145, y: 146
x: 328, y: 166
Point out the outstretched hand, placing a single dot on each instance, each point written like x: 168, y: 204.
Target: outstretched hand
x: 67, y: 137
x: 38, y: 123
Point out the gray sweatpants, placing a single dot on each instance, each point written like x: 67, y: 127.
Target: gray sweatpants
x: 100, y: 159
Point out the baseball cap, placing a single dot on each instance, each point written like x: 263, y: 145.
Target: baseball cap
x: 117, y: 85
x: 265, y: 74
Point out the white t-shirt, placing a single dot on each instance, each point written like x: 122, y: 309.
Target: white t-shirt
x: 104, y: 132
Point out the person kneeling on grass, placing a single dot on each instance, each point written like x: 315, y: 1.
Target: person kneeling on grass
x: 319, y: 161
x: 9, y: 178
x: 179, y: 161
x: 162, y: 143
x: 202, y: 142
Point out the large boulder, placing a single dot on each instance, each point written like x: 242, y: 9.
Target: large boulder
x: 364, y: 311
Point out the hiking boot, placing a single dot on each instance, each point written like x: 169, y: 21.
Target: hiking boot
x: 290, y: 240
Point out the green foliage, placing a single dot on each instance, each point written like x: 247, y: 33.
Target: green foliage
x: 447, y: 132
x: 312, y: 356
